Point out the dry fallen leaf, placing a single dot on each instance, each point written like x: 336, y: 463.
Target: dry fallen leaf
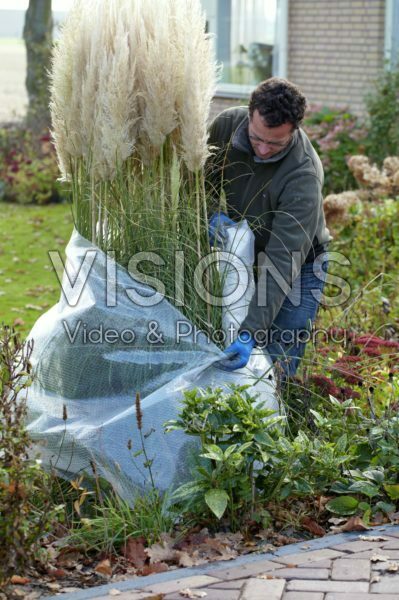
x: 375, y: 579
x: 162, y: 552
x: 336, y: 520
x: 185, y: 560
x: 18, y: 321
x: 54, y: 587
x: 322, y: 501
x: 312, y: 526
x: 56, y: 573
x: 32, y: 595
x: 223, y: 548
x: 19, y: 593
x: 393, y: 567
x: 187, y: 593
x: 135, y: 552
x: 104, y: 568
x: 69, y: 558
x: 159, y: 567
x: 190, y: 541
x: 18, y: 580
x: 379, y: 558
x: 354, y: 524
x: 34, y: 307
x: 268, y: 548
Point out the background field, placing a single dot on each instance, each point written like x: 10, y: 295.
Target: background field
x: 28, y: 283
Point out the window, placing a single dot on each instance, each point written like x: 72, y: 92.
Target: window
x: 245, y: 41
x: 392, y: 33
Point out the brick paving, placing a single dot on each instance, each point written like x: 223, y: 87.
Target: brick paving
x: 336, y: 567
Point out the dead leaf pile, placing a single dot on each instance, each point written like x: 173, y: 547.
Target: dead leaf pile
x: 195, y: 549
x: 352, y: 524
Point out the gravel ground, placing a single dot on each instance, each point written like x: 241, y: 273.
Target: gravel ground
x: 13, y: 96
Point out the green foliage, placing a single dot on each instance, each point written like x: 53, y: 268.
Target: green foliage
x: 112, y: 521
x: 336, y: 135
x: 370, y: 243
x: 28, y: 167
x: 343, y: 505
x: 26, y: 513
x: 232, y: 428
x: 247, y: 459
x: 383, y: 117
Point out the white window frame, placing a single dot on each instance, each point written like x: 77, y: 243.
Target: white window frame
x: 280, y: 57
x: 391, y: 48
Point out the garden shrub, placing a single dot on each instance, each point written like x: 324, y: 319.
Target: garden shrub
x: 369, y: 240
x: 336, y: 134
x: 26, y: 511
x: 248, y: 465
x: 28, y: 167
x: 383, y: 117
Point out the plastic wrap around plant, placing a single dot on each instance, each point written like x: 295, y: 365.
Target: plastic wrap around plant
x: 237, y: 273
x: 92, y: 354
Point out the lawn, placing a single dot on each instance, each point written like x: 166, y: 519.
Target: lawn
x: 28, y: 284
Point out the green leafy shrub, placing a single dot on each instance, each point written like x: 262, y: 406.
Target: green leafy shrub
x: 249, y: 463
x: 28, y: 167
x: 26, y: 512
x: 383, y: 117
x: 232, y: 428
x: 370, y: 243
x: 336, y: 134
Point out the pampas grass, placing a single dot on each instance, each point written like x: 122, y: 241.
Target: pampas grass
x: 132, y: 82
x: 142, y: 68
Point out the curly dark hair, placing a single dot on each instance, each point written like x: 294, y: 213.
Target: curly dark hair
x: 278, y: 101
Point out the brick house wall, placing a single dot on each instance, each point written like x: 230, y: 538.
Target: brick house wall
x: 336, y: 49
x: 218, y: 104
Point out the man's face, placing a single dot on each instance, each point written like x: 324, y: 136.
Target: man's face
x: 267, y: 141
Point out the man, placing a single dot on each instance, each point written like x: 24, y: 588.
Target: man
x: 272, y: 176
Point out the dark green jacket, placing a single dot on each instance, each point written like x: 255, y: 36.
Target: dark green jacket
x: 280, y: 197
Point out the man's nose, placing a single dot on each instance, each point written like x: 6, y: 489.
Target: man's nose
x: 263, y: 148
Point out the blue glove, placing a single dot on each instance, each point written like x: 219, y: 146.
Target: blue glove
x: 238, y: 352
x: 216, y: 223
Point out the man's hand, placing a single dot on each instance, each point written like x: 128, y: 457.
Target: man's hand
x: 216, y: 223
x: 238, y: 352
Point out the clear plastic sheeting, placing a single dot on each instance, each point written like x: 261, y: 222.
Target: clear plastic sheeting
x: 94, y: 350
x: 237, y: 271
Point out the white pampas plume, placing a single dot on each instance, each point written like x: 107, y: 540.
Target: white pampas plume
x: 158, y: 72
x: 118, y: 103
x: 196, y: 52
x: 126, y: 75
x: 65, y: 98
x: 94, y: 104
